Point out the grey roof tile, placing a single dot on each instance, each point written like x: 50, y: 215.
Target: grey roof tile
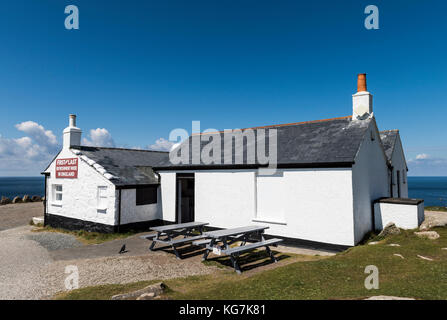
x: 129, y: 166
x: 389, y: 138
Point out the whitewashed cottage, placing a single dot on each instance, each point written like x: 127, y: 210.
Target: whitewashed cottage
x: 330, y: 174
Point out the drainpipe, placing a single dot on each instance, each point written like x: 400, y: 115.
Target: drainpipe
x: 46, y: 199
x: 119, y: 209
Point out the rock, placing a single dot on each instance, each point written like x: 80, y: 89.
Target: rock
x: 432, y: 235
x: 373, y: 242
x: 42, y: 199
x: 425, y: 258
x: 147, y: 296
x: 434, y: 219
x: 17, y: 200
x: 156, y: 289
x: 389, y: 230
x: 5, y: 200
x: 35, y: 199
x: 398, y: 255
x: 394, y: 245
x: 388, y: 298
x: 26, y: 198
x: 37, y: 220
x: 444, y: 249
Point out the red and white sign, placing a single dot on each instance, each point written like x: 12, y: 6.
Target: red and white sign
x: 67, y: 168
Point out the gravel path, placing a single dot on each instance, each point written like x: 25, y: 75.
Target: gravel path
x: 33, y: 264
x: 19, y: 214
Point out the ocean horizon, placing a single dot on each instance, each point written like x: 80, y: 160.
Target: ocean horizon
x: 430, y: 188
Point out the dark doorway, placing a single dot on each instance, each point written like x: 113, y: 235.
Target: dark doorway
x: 185, y: 197
x: 398, y: 183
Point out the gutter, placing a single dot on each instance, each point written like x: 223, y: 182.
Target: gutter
x: 346, y: 164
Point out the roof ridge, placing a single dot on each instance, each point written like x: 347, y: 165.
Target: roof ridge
x: 391, y: 130
x: 280, y: 125
x: 124, y: 149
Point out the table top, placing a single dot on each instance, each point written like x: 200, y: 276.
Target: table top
x: 234, y: 231
x: 188, y: 225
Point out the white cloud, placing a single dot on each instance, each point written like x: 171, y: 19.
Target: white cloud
x: 422, y: 156
x: 29, y: 154
x: 426, y: 165
x: 99, y: 137
x: 161, y: 145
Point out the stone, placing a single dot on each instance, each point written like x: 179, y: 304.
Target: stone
x: 35, y: 198
x: 389, y: 230
x: 373, y: 243
x: 147, y: 296
x: 425, y: 258
x: 37, y: 220
x: 26, y: 198
x: 16, y: 200
x: 5, y: 200
x: 432, y: 235
x: 156, y: 289
x: 394, y: 245
x: 388, y: 298
x: 398, y: 255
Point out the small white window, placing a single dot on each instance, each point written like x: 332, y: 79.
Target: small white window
x: 102, y: 198
x: 57, y: 194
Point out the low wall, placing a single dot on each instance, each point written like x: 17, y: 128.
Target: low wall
x: 405, y: 213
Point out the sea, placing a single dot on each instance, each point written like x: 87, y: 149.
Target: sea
x: 432, y: 189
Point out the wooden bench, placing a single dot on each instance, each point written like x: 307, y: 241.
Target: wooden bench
x: 148, y: 236
x: 201, y: 242
x: 181, y: 240
x: 234, y: 252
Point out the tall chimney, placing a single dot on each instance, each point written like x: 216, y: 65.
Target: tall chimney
x: 72, y: 134
x: 362, y: 100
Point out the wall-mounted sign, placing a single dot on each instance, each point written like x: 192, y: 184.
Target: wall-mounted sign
x: 67, y: 168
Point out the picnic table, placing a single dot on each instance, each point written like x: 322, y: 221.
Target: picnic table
x: 226, y: 237
x: 167, y: 234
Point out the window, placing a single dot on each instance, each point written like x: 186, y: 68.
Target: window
x: 102, y: 198
x: 146, y: 195
x: 57, y: 194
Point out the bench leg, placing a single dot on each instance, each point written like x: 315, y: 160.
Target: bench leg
x: 270, y: 253
x: 151, y: 247
x: 205, y: 254
x: 235, y: 264
x: 176, y: 252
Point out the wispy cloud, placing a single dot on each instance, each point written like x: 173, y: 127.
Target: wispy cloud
x: 426, y: 165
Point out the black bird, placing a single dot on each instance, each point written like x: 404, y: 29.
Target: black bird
x: 123, y: 249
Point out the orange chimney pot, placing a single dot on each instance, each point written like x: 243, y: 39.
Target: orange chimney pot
x: 361, y: 82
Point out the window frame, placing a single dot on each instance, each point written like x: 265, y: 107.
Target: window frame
x: 144, y: 200
x: 55, y: 193
x: 101, y: 198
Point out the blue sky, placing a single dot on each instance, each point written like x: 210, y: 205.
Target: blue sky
x: 135, y: 70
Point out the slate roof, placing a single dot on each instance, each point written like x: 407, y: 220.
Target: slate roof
x: 332, y: 143
x: 128, y: 166
x: 389, y: 138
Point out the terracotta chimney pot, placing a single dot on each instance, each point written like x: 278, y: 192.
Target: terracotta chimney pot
x: 361, y: 82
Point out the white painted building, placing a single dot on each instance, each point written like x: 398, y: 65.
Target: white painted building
x: 329, y: 174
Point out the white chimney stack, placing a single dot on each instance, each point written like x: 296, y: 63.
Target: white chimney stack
x: 72, y: 134
x: 362, y: 100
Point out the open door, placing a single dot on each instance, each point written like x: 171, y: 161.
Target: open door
x: 185, y: 197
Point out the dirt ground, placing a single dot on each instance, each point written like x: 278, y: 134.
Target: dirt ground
x: 19, y: 214
x: 33, y: 264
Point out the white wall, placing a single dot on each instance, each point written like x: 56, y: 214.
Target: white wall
x: 79, y: 200
x: 405, y: 216
x: 314, y: 204
x: 168, y: 194
x: 399, y: 163
x: 131, y: 213
x: 370, y: 181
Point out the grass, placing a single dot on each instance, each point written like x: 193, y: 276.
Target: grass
x: 436, y: 208
x: 86, y: 237
x: 338, y: 277
x: 103, y: 292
